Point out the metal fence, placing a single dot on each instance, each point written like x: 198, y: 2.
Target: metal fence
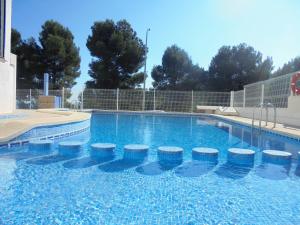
x: 275, y: 90
x: 28, y: 98
x: 134, y: 100
x: 130, y: 100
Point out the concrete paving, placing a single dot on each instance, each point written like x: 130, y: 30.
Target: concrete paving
x: 25, y: 120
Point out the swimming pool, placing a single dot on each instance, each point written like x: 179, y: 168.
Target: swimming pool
x: 52, y: 189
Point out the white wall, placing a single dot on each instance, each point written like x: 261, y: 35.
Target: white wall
x: 289, y: 116
x: 8, y: 69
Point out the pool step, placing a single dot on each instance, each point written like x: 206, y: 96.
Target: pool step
x: 102, y: 150
x: 205, y: 154
x: 40, y: 145
x: 241, y: 157
x: 135, y: 152
x: 70, y: 148
x: 276, y: 157
x: 170, y: 154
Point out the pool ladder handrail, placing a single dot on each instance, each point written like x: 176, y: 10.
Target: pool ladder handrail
x: 253, y: 115
x: 262, y: 106
x: 266, y: 107
x: 269, y: 104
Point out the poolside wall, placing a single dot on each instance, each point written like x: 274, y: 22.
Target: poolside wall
x: 276, y: 91
x: 284, y: 116
x: 8, y: 67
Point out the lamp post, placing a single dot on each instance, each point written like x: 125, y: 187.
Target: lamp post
x: 145, y: 71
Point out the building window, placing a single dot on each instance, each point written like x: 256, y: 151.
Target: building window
x: 2, y: 27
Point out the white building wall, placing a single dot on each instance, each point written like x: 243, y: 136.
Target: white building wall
x: 8, y: 66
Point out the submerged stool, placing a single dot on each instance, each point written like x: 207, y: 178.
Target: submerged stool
x: 70, y: 148
x: 170, y: 154
x: 276, y: 157
x: 40, y: 145
x: 102, y: 150
x: 135, y: 152
x: 241, y: 157
x: 205, y: 154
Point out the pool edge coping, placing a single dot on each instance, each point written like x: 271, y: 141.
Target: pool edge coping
x: 72, y: 117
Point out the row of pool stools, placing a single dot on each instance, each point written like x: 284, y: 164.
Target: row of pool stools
x: 165, y: 153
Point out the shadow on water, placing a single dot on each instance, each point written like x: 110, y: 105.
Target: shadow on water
x: 51, y: 159
x: 195, y: 168
x: 155, y: 168
x: 85, y: 162
x: 232, y: 171
x: 273, y: 171
x: 119, y: 165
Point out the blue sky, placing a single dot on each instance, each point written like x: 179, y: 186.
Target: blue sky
x: 200, y: 27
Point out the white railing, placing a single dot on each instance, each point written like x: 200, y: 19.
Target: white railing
x: 275, y: 91
x: 129, y: 99
x: 238, y: 100
x: 170, y: 101
x: 28, y: 98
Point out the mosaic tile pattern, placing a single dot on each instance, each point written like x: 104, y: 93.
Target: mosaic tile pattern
x: 49, y: 132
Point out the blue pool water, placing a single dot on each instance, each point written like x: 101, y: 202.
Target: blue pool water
x: 47, y: 188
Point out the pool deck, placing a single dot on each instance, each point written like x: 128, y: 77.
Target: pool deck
x: 29, y: 119
x: 281, y: 129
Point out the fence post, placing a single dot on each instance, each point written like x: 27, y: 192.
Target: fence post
x: 81, y: 105
x: 144, y: 99
x: 232, y: 99
x: 117, y: 99
x: 30, y: 99
x: 62, y: 97
x: 192, y: 103
x: 154, y: 103
x: 262, y: 94
x: 244, y: 98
